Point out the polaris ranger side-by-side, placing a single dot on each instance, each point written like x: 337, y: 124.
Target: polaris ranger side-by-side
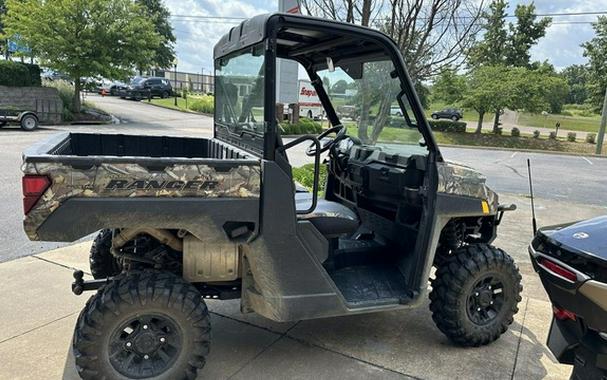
x: 184, y: 219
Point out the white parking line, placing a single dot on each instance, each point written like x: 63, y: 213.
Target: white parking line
x: 514, y: 154
x: 587, y: 160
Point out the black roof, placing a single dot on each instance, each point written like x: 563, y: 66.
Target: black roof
x: 254, y: 30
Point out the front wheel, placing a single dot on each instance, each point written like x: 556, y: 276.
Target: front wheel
x: 164, y: 95
x: 435, y: 117
x: 475, y: 294
x: 454, y: 118
x: 145, y: 324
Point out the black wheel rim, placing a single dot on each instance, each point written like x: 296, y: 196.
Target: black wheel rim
x: 486, y: 300
x: 145, y: 346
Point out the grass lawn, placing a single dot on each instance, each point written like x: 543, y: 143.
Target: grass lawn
x: 489, y: 140
x: 170, y: 103
x: 577, y: 122
x: 573, y: 123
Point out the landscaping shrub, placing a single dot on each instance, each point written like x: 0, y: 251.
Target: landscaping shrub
x: 14, y: 74
x: 571, y: 136
x: 566, y: 113
x: 498, y: 130
x: 515, y: 132
x: 304, y: 175
x: 536, y: 134
x: 552, y: 135
x: 591, y: 138
x: 204, y: 104
x: 34, y: 73
x: 305, y: 126
x: 447, y: 126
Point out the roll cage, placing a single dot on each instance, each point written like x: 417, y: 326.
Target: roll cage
x: 308, y: 41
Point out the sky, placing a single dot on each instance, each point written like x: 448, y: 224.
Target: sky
x: 196, y: 38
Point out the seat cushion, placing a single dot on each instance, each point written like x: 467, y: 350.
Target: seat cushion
x: 330, y: 218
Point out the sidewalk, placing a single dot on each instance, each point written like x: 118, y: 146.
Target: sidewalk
x: 39, y: 313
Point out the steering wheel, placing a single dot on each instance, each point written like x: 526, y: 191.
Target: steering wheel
x: 340, y: 132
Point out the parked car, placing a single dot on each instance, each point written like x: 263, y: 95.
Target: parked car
x: 141, y: 88
x: 396, y: 111
x: 571, y: 260
x: 448, y: 113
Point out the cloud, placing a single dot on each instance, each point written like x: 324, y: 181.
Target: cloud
x: 561, y: 45
x: 196, y: 37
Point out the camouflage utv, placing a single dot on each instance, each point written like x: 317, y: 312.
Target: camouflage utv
x: 189, y: 219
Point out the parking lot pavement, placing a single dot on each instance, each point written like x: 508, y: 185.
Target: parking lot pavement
x: 39, y: 312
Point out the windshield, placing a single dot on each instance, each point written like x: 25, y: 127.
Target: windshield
x: 137, y: 80
x: 371, y: 106
x: 239, y: 92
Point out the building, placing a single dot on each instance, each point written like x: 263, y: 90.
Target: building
x: 195, y: 82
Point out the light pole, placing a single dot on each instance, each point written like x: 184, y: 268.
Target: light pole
x: 175, y: 73
x: 599, y: 142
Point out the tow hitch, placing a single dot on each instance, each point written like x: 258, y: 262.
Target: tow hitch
x: 80, y: 285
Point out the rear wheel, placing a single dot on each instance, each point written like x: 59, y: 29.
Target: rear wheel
x: 164, y: 95
x: 435, y: 116
x: 146, y: 324
x: 475, y: 294
x: 3, y: 123
x: 454, y: 118
x: 29, y: 122
x: 103, y: 264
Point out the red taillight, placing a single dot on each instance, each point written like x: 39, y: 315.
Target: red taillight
x: 33, y: 188
x: 563, y: 314
x: 558, y: 269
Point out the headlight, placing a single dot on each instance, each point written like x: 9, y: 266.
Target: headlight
x: 603, y: 335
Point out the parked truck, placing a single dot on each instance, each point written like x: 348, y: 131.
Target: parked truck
x: 309, y: 104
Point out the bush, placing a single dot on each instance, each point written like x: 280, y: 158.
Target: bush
x: 204, y: 104
x: 571, y: 136
x: 591, y: 138
x: 34, y: 73
x: 498, y: 130
x: 17, y: 74
x: 566, y: 113
x: 304, y: 175
x: 536, y: 134
x: 515, y: 132
x: 305, y: 126
x: 447, y: 126
x: 552, y: 135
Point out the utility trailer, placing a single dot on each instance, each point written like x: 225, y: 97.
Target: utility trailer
x: 184, y: 219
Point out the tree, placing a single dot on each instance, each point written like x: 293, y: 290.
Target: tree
x: 527, y: 31
x: 485, y: 91
x: 3, y: 41
x: 449, y: 86
x: 491, y: 50
x: 159, y: 15
x: 85, y: 38
x: 577, y: 77
x: 596, y: 52
x: 511, y: 47
x: 431, y: 34
x: 339, y: 87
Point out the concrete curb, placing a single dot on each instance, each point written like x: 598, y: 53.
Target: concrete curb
x: 175, y: 109
x: 523, y: 150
